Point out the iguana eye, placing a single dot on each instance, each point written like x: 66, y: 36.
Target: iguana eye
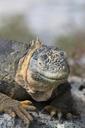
x: 39, y: 62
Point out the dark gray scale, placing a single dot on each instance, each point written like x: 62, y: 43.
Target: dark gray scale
x: 10, y: 53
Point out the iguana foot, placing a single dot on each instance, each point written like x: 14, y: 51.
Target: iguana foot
x: 14, y: 107
x: 60, y: 112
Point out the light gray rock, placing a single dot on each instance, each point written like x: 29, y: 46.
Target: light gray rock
x: 7, y: 121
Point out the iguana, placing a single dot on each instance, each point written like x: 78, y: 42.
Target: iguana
x: 33, y: 73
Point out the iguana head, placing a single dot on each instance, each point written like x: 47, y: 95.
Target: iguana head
x: 47, y: 68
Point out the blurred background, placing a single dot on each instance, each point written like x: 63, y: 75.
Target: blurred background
x: 56, y: 22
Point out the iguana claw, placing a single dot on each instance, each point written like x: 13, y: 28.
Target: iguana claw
x: 52, y: 110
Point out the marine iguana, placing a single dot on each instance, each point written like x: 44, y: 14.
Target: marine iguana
x: 33, y: 73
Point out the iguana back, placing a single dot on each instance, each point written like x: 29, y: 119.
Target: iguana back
x: 10, y: 53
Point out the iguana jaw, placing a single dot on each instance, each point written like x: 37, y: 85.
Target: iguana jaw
x: 41, y: 96
x: 40, y: 88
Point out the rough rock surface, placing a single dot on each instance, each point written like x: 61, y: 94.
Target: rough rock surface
x: 44, y: 121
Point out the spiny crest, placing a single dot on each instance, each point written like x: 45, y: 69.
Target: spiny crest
x: 35, y: 43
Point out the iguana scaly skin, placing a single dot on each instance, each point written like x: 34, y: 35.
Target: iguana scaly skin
x: 34, y: 72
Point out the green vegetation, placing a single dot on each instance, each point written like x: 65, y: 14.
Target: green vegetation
x: 74, y: 45
x: 15, y: 28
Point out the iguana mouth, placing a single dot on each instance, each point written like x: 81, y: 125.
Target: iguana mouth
x: 51, y: 78
x: 39, y: 77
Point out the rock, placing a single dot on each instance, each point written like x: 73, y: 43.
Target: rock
x: 44, y: 120
x: 7, y: 121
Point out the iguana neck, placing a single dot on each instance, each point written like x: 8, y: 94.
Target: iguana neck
x: 21, y: 73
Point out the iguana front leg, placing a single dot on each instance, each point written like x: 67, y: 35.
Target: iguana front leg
x: 14, y: 107
x: 62, y: 104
